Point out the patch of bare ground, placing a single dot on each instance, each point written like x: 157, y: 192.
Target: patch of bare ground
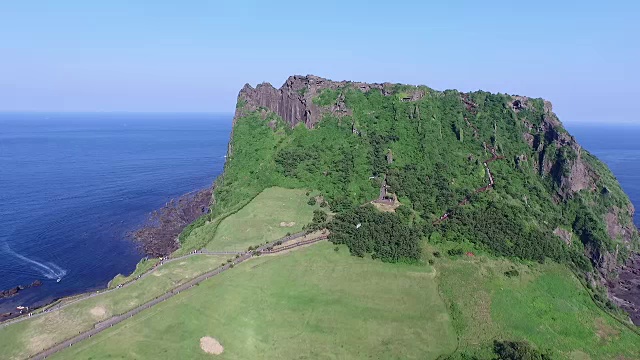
x: 483, y: 313
x: 386, y: 206
x: 579, y: 355
x: 98, y: 311
x: 210, y: 345
x: 287, y: 224
x: 604, y: 331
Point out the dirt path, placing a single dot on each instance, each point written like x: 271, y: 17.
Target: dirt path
x: 119, y: 318
x: 294, y: 245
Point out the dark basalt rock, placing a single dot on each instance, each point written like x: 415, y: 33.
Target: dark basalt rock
x: 15, y: 290
x: 293, y: 101
x: 625, y: 290
x: 10, y: 292
x: 159, y: 236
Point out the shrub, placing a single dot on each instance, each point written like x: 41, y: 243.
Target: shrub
x: 312, y: 201
x: 319, y: 217
x: 455, y: 252
x: 365, y: 230
x: 512, y: 273
x: 517, y: 350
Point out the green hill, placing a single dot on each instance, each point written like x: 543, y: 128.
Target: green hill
x: 496, y: 170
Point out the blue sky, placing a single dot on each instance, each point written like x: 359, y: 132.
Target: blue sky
x: 196, y: 55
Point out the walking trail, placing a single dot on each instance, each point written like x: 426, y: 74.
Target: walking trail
x: 269, y: 248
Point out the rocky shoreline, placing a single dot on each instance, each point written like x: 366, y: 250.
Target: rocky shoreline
x: 159, y: 235
x: 4, y: 294
x: 14, y: 291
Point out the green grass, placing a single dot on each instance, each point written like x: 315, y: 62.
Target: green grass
x: 261, y: 220
x: 310, y: 303
x: 142, y: 267
x: 319, y: 303
x: 545, y: 305
x: 28, y: 337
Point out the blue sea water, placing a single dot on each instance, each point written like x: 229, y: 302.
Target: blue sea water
x: 619, y: 147
x: 73, y: 185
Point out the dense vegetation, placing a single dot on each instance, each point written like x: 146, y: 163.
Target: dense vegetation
x: 517, y: 350
x: 438, y: 145
x: 365, y: 230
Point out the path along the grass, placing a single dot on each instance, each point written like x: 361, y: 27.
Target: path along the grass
x: 119, y: 318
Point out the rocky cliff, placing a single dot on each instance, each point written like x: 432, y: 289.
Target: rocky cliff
x: 293, y: 101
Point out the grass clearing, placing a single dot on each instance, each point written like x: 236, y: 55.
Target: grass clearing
x: 310, y: 303
x: 315, y: 302
x: 545, y: 305
x: 271, y: 215
x: 28, y: 337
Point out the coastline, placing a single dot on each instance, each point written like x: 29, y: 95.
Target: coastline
x: 156, y: 237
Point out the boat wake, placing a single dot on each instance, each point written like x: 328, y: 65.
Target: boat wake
x: 48, y: 269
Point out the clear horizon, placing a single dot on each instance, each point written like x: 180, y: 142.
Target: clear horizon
x: 167, y: 57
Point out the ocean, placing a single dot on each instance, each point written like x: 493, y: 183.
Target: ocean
x: 72, y: 186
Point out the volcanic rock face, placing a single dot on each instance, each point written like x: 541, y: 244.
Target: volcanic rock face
x: 293, y: 102
x: 571, y: 173
x: 625, y: 290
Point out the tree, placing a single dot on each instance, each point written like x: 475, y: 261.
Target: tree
x: 365, y: 230
x: 517, y: 350
x: 319, y: 217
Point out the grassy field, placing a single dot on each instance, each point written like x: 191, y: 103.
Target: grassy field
x: 545, y: 305
x: 310, y: 303
x: 26, y: 338
x: 315, y: 302
x: 142, y: 267
x: 271, y: 215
